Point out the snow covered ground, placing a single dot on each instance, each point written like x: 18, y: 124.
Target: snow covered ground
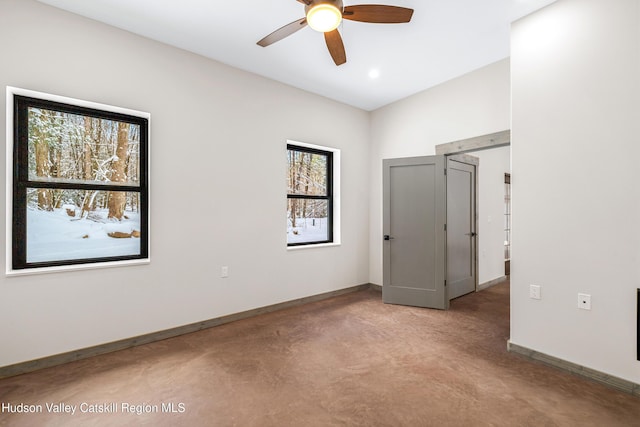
x: 57, y: 236
x: 308, y: 230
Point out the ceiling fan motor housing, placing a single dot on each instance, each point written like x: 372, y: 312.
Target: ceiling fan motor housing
x: 337, y: 3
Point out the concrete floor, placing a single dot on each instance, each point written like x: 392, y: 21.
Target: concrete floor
x: 346, y: 361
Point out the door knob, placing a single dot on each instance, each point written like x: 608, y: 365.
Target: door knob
x: 387, y: 237
x: 472, y: 234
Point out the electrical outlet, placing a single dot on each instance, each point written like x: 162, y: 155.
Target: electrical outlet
x: 534, y: 291
x: 584, y: 301
x: 224, y: 271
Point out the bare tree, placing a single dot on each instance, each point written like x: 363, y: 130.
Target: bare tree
x: 88, y: 148
x: 43, y: 165
x: 118, y: 199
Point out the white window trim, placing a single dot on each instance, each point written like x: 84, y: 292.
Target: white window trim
x: 336, y: 196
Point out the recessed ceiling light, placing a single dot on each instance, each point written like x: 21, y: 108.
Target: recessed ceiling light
x: 374, y: 73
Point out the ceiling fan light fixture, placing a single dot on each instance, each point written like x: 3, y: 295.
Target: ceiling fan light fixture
x: 324, y: 17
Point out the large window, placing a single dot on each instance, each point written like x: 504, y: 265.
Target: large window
x: 80, y: 184
x: 310, y: 195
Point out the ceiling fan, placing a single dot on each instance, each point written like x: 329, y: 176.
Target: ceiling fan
x: 326, y: 15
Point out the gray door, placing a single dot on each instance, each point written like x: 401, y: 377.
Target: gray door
x: 461, y: 226
x: 414, y: 247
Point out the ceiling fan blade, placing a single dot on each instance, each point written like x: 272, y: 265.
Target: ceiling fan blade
x: 378, y: 14
x: 336, y: 47
x: 283, y: 32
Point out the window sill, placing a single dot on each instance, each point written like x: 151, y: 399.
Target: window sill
x: 319, y: 245
x: 74, y: 267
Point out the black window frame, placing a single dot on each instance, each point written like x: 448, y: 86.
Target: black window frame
x: 21, y: 181
x: 328, y: 197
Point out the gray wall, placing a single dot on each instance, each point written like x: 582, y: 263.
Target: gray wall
x: 218, y: 169
x: 576, y: 199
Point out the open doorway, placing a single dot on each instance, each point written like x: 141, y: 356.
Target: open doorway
x: 494, y: 226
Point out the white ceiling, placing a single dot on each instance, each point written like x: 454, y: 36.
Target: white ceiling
x: 445, y: 39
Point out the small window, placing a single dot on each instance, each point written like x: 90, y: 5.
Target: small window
x: 310, y: 195
x: 80, y: 190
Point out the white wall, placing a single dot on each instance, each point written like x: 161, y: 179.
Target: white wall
x: 218, y: 169
x: 469, y: 106
x: 576, y: 199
